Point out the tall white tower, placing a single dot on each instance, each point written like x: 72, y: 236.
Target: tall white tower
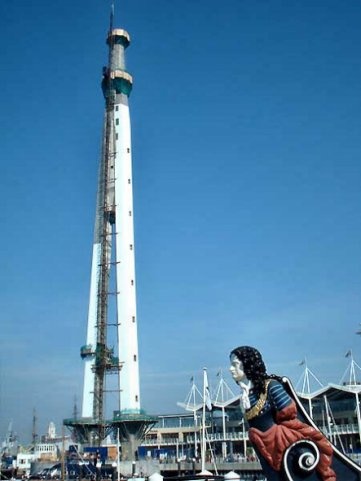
x: 114, y: 221
x: 113, y: 263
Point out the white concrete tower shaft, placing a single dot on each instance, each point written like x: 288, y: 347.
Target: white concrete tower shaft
x: 114, y: 220
x: 125, y: 265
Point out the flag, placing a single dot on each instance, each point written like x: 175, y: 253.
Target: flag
x: 207, y: 394
x: 348, y: 353
x: 219, y: 372
x: 192, y: 379
x: 302, y: 363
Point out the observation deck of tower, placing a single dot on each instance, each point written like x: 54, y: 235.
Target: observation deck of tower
x: 113, y: 257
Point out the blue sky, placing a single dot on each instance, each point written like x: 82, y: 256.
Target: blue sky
x: 246, y: 119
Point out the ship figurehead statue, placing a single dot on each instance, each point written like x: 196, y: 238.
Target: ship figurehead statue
x: 288, y: 443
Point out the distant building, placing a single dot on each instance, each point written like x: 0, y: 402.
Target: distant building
x: 46, y: 452
x: 335, y: 409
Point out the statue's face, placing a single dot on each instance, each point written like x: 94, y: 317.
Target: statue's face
x: 236, y: 369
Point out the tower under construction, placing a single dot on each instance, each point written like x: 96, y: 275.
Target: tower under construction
x: 113, y: 272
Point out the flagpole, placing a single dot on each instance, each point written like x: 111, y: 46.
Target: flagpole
x: 309, y: 391
x: 352, y: 371
x: 195, y: 418
x: 224, y: 443
x: 203, y: 447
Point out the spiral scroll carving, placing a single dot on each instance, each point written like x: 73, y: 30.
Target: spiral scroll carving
x: 300, y: 459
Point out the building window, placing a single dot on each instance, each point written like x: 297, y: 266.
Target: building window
x: 117, y: 108
x: 116, y: 136
x: 116, y: 121
x: 130, y: 213
x: 136, y: 398
x: 135, y: 357
x: 128, y: 150
x: 131, y: 247
x: 170, y: 436
x: 132, y: 282
x: 128, y: 181
x: 133, y: 318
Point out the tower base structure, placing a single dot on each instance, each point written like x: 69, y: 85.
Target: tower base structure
x: 130, y: 428
x: 88, y: 431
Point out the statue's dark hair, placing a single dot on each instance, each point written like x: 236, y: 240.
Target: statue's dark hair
x: 253, y: 367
